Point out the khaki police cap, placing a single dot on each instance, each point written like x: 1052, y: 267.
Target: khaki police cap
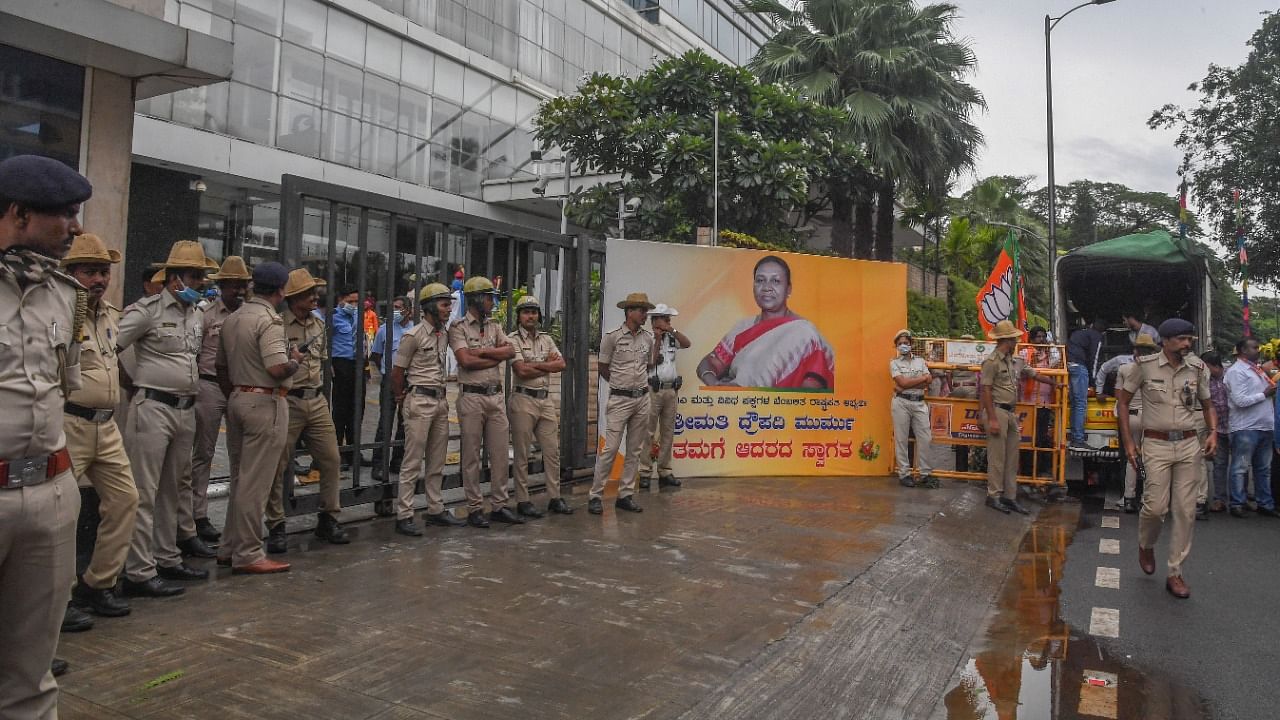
x: 186, y: 255
x: 636, y: 300
x: 1145, y: 341
x: 902, y: 332
x: 434, y: 291
x: 529, y: 302
x: 1005, y: 330
x: 233, y: 268
x: 478, y: 284
x: 300, y: 281
x: 89, y: 248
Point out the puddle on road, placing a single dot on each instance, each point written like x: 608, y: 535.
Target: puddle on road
x: 1032, y: 665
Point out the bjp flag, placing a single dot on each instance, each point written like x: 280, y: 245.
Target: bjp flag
x: 1001, y: 297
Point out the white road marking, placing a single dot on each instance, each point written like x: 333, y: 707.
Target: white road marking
x: 1109, y: 546
x: 1107, y: 577
x: 1110, y: 521
x: 1104, y: 622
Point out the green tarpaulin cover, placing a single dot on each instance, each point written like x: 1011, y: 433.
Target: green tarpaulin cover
x: 1156, y: 246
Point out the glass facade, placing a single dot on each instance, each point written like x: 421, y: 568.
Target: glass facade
x: 41, y: 106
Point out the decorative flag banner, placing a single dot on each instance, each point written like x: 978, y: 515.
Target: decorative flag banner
x: 1244, y: 263
x: 1002, y: 297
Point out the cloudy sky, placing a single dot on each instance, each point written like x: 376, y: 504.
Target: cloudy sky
x: 1112, y: 66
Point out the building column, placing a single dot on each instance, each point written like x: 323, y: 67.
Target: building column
x: 107, y: 153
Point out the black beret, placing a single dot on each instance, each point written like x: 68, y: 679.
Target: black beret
x: 42, y: 182
x: 270, y: 274
x: 1173, y: 327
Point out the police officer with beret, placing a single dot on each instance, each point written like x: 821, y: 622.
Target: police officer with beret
x: 42, y: 312
x: 1169, y: 383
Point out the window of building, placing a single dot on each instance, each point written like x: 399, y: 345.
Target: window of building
x: 41, y: 106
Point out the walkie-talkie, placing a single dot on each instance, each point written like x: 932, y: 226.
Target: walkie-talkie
x: 305, y: 348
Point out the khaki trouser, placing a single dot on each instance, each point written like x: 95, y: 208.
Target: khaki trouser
x: 1130, y: 474
x: 98, y: 457
x: 908, y: 416
x: 158, y: 439
x: 1174, y: 471
x: 1002, y: 457
x: 426, y: 442
x: 661, y: 431
x: 211, y: 405
x: 533, y: 417
x: 631, y: 415
x: 257, y: 428
x: 310, y: 420
x: 37, y: 569
x: 484, y: 417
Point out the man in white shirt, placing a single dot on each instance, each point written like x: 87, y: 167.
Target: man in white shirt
x: 664, y: 391
x: 1250, y: 396
x: 1137, y: 327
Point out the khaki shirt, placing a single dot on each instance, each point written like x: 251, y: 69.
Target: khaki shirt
x: 1171, y: 397
x: 166, y: 332
x: 628, y: 357
x: 467, y: 332
x: 1001, y: 372
x: 298, y: 332
x: 909, y: 368
x: 99, y: 365
x: 210, y: 330
x: 34, y: 321
x: 1122, y: 376
x: 532, y: 350
x: 252, y: 341
x: 422, y: 355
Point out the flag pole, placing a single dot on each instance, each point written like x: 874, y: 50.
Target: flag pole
x: 1244, y: 263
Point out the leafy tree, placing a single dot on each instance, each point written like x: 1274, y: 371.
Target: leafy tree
x: 1100, y: 211
x: 1231, y: 141
x: 777, y: 150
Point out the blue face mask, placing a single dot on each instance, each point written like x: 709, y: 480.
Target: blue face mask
x: 348, y: 308
x: 188, y: 295
x: 397, y: 316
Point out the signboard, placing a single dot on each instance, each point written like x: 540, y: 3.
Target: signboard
x: 959, y: 420
x: 788, y: 372
x: 966, y: 352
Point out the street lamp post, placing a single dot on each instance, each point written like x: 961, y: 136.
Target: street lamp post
x: 1049, y: 24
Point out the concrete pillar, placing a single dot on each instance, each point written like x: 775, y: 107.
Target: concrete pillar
x: 108, y: 156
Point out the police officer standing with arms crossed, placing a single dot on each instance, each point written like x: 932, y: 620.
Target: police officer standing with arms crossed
x: 39, y: 202
x: 97, y: 450
x: 417, y: 382
x: 626, y: 354
x: 998, y: 390
x: 910, y: 377
x: 482, y: 347
x: 534, y: 411
x: 664, y: 383
x: 1169, y: 382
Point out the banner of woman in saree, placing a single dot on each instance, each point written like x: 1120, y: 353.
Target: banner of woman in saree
x: 788, y: 369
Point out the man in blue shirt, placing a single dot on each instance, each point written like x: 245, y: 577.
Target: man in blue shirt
x: 1251, y: 398
x: 401, y: 322
x: 342, y: 356
x: 1082, y: 363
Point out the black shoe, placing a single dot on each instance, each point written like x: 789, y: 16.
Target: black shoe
x: 1202, y: 511
x: 504, y: 515
x: 477, y: 519
x: 206, y: 530
x: 997, y: 504
x: 1267, y: 512
x: 595, y: 506
x: 668, y: 481
x: 444, y: 518
x: 1237, y: 511
x: 1081, y: 447
x: 151, y: 587
x: 526, y: 509
x: 330, y: 530
x: 1015, y: 507
x: 195, y: 547
x: 1129, y: 505
x: 59, y: 667
x: 181, y: 571
x: 99, y: 602
x: 930, y: 482
x: 408, y: 527
x: 907, y: 481
x: 628, y: 503
x: 559, y: 507
x: 76, y: 620
x: 644, y: 483
x: 278, y: 539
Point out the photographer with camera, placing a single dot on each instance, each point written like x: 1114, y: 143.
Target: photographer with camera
x: 664, y: 387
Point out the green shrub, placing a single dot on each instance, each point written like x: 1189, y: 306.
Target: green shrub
x: 926, y: 316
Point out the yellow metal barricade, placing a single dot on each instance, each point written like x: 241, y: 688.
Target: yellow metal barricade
x: 955, y: 413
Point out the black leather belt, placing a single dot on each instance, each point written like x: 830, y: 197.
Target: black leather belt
x: 210, y: 378
x: 913, y: 397
x: 304, y: 393
x: 435, y: 392
x: 482, y: 389
x: 1133, y: 411
x: 1008, y: 407
x: 181, y: 402
x: 537, y: 393
x: 629, y: 392
x: 673, y: 385
x: 91, y: 414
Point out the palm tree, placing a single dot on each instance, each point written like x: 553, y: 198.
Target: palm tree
x: 898, y: 72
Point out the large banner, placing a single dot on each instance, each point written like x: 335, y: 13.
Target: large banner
x: 788, y: 372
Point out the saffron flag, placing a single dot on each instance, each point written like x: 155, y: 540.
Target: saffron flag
x: 1002, y: 297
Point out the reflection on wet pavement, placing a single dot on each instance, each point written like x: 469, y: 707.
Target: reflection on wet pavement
x: 1029, y: 664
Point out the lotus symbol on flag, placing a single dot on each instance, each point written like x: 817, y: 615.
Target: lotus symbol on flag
x: 997, y: 304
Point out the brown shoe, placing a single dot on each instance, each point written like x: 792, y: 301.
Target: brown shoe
x: 1218, y: 506
x: 1147, y: 560
x: 1177, y: 587
x: 262, y: 567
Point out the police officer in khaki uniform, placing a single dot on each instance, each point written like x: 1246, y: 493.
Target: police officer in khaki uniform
x: 481, y: 348
x: 93, y: 440
x: 626, y: 354
x: 39, y: 364
x: 417, y: 382
x: 1170, y: 383
x: 309, y: 417
x: 254, y: 367
x: 211, y: 405
x: 534, y: 406
x: 998, y: 390
x: 164, y: 331
x: 910, y: 375
x: 664, y: 387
